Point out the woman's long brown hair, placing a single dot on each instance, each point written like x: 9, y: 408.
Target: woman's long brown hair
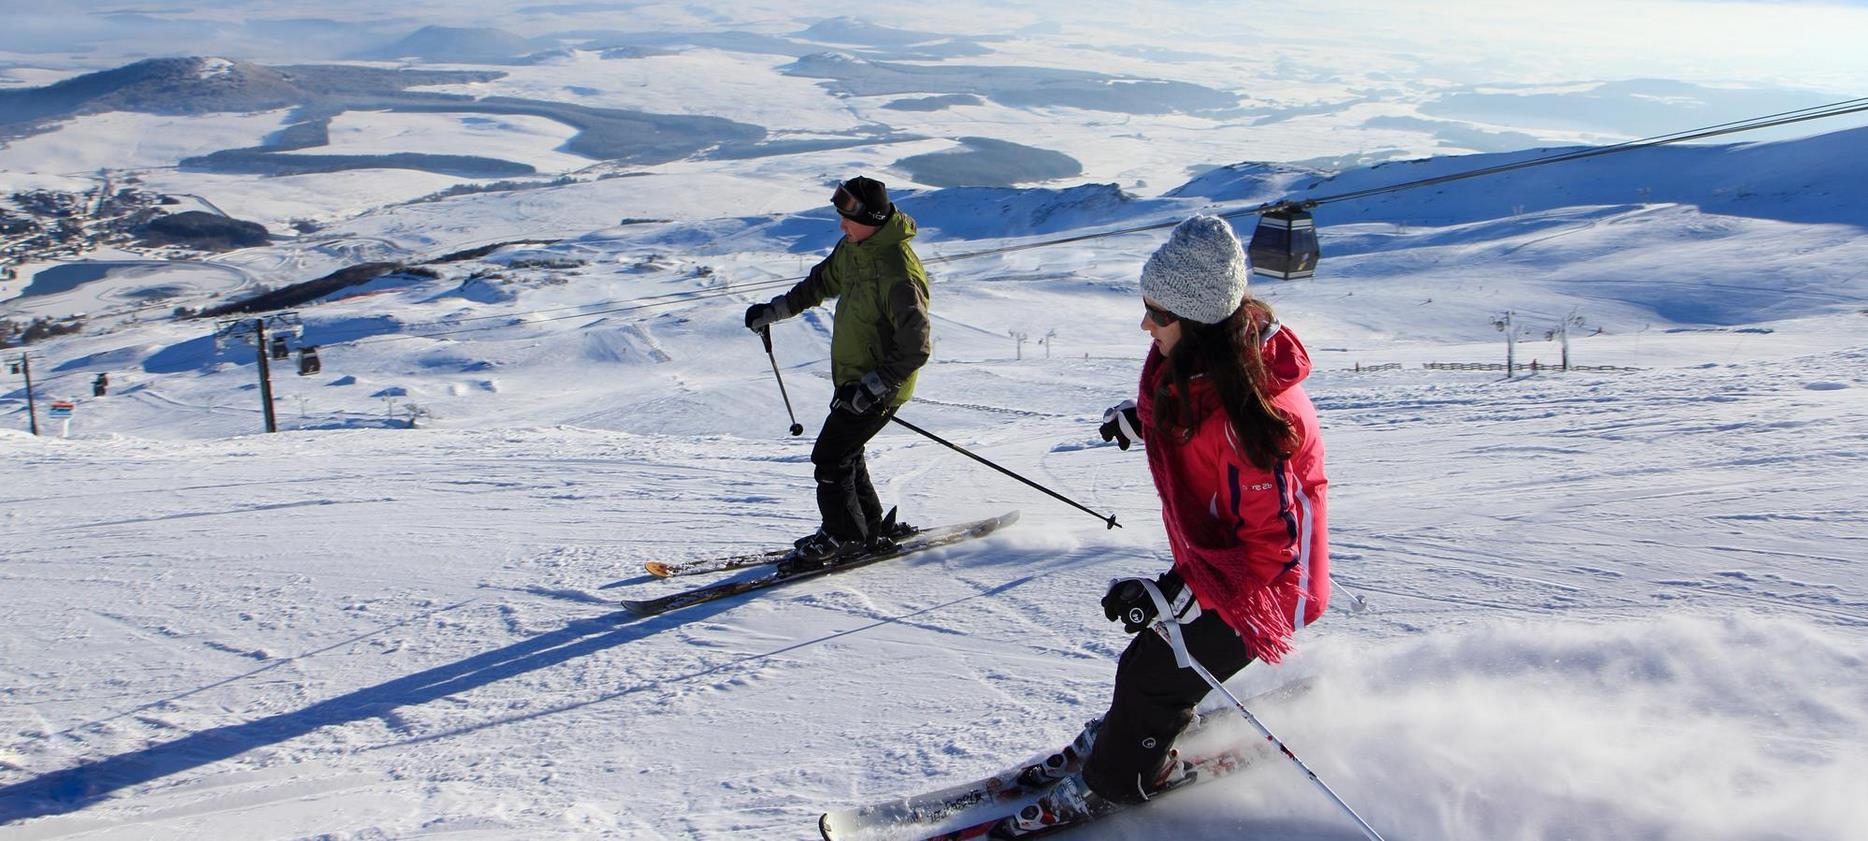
x: 1228, y: 354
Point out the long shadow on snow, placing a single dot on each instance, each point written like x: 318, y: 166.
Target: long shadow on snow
x: 714, y: 669
x: 62, y: 792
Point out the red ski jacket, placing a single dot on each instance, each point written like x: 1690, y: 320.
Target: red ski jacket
x: 1253, y: 544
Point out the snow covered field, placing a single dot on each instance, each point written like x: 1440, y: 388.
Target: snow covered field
x: 1590, y: 605
x: 1601, y: 606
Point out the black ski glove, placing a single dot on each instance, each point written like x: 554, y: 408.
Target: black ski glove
x: 761, y: 316
x: 863, y: 397
x: 1121, y: 424
x: 1128, y: 601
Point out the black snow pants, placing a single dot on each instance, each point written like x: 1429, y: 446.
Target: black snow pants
x: 1154, y: 701
x: 845, y: 497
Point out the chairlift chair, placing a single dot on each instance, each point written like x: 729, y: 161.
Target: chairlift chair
x: 1284, y: 245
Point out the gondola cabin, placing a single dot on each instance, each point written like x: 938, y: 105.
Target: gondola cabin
x: 280, y: 350
x: 1285, y: 244
x: 308, y: 363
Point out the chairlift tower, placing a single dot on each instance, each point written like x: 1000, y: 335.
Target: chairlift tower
x: 253, y: 331
x: 1505, y: 325
x: 1562, y: 331
x: 23, y: 365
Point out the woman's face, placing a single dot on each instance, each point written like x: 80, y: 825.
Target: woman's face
x: 1165, y: 336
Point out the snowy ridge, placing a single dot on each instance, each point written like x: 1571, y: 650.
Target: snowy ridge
x: 1802, y: 180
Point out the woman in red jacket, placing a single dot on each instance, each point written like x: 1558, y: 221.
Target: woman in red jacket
x: 1237, y: 458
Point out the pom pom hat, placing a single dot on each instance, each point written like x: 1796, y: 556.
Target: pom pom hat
x: 1199, y: 274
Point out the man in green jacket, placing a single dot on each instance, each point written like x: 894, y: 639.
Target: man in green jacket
x: 879, y: 340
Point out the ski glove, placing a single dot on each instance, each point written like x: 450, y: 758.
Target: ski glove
x: 761, y: 316
x: 1122, y: 425
x: 863, y: 397
x: 1128, y: 601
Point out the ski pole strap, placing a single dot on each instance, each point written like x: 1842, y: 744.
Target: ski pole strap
x: 1108, y: 522
x: 1168, y: 626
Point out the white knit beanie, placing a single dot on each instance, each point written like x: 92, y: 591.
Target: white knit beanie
x: 1199, y: 273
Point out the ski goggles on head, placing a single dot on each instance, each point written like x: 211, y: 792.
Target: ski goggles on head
x: 847, y: 204
x: 1159, y: 316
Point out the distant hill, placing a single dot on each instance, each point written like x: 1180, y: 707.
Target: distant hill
x: 198, y: 229
x: 157, y: 86
x: 460, y: 45
x: 1809, y: 180
x: 206, y: 85
x: 897, y: 44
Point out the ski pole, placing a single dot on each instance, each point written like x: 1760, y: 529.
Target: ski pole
x: 1169, y: 629
x: 765, y: 334
x: 1108, y: 522
x: 1357, y: 604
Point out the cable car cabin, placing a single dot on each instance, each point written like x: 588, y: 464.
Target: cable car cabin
x: 280, y: 350
x: 308, y: 363
x: 1284, y: 245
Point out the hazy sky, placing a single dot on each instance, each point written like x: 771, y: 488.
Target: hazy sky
x: 1815, y: 45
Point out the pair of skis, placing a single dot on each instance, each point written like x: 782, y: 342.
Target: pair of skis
x: 772, y: 576
x: 1214, y: 746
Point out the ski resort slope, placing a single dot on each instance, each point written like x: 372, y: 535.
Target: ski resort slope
x: 1583, y: 605
x: 1598, y: 607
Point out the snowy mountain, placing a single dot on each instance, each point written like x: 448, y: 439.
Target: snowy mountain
x: 1621, y: 601
x: 458, y: 45
x: 204, y: 85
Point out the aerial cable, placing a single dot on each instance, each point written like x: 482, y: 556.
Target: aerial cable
x: 1835, y: 109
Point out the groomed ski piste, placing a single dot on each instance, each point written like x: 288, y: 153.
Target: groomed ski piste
x: 1585, y: 605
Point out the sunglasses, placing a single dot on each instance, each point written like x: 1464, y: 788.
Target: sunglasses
x: 1159, y: 316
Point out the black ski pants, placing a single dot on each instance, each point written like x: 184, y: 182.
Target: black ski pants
x: 845, y: 497
x: 1154, y: 700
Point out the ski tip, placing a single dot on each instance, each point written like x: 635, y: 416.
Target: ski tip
x: 989, y: 526
x: 658, y: 569
x: 638, y: 608
x: 823, y: 826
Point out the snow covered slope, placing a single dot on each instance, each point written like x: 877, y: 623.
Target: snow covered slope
x: 1595, y: 605
x: 1600, y: 605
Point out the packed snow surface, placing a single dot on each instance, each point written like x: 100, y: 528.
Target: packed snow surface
x: 1621, y: 602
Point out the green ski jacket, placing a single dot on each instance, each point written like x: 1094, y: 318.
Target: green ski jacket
x: 881, y: 319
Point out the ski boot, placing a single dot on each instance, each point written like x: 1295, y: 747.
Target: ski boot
x: 1065, y: 762
x: 886, y: 536
x: 1070, y: 801
x: 1176, y: 772
x: 818, y: 551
